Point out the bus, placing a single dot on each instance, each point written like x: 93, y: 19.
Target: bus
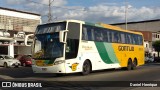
x: 73, y: 46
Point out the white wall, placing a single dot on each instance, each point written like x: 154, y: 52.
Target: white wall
x: 29, y: 29
x: 155, y: 36
x: 19, y: 14
x: 24, y: 50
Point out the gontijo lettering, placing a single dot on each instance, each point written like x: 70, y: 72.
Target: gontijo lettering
x: 125, y: 48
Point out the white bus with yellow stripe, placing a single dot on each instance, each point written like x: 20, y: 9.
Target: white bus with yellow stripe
x: 76, y: 46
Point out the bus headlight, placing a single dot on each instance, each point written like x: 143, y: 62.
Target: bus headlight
x: 59, y: 62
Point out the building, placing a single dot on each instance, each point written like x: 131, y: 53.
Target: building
x: 14, y: 25
x: 148, y: 25
x: 149, y: 28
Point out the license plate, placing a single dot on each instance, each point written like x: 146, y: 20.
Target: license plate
x: 44, y: 69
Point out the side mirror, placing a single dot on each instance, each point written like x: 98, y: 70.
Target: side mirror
x: 1, y: 58
x: 26, y: 39
x: 62, y: 36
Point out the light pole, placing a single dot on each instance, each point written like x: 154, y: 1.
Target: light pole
x: 126, y: 11
x: 50, y: 11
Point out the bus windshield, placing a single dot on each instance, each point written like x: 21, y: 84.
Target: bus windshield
x: 47, y: 46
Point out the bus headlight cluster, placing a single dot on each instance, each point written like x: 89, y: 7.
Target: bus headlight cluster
x: 59, y: 62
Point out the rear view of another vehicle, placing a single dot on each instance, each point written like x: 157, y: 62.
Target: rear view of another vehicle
x: 26, y: 60
x: 8, y: 61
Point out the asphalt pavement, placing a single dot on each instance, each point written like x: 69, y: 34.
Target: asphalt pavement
x: 148, y: 72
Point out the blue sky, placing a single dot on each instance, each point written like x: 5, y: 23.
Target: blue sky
x: 136, y: 3
x: 107, y: 11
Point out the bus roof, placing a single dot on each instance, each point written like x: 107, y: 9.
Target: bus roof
x: 103, y: 25
x: 118, y: 28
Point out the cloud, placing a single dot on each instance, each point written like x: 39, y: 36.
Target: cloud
x: 107, y: 12
x: 54, y: 2
x: 114, y: 14
x: 15, y: 2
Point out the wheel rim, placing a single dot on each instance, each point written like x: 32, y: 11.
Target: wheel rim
x: 134, y: 64
x: 129, y: 66
x: 86, y: 68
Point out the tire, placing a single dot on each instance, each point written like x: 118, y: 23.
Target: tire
x: 134, y: 64
x: 5, y: 65
x: 86, y: 69
x: 16, y: 66
x: 129, y: 65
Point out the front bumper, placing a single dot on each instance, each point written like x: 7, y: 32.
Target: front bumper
x: 14, y: 64
x: 49, y: 69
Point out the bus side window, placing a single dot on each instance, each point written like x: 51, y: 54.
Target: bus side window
x: 135, y: 39
x: 101, y: 34
x: 84, y: 34
x: 129, y: 38
x: 97, y: 34
x: 126, y: 39
x: 89, y: 34
x: 105, y: 36
x: 140, y: 40
x: 117, y: 37
x: 110, y: 36
x: 122, y: 37
x: 114, y: 38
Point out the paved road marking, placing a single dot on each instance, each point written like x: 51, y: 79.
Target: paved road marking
x: 5, y: 77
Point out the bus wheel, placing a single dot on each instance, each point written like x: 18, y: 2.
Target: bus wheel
x: 129, y: 66
x: 134, y: 64
x: 86, y: 68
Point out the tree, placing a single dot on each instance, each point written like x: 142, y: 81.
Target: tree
x: 156, y: 46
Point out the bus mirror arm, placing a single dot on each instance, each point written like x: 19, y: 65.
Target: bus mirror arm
x: 26, y: 39
x: 62, y: 36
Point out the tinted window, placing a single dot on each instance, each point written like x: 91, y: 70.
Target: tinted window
x: 140, y: 40
x: 84, y: 33
x: 109, y: 36
x: 93, y: 33
x: 73, y: 40
x: 105, y: 35
x: 74, y: 30
x: 50, y: 28
x: 87, y: 33
x: 8, y: 57
x: 128, y: 38
x: 98, y: 34
x: 90, y: 34
x: 134, y: 39
x: 122, y: 37
x: 117, y: 38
